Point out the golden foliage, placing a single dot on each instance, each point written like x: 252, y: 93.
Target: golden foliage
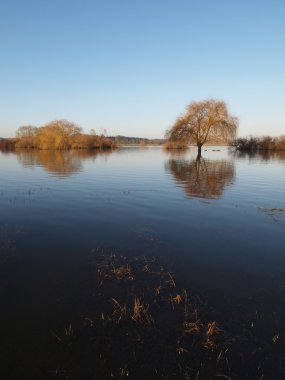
x: 204, y: 121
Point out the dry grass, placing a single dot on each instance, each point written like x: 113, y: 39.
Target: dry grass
x: 146, y: 268
x: 119, y: 311
x: 123, y: 272
x: 192, y: 327
x: 140, y: 312
x: 175, y: 300
x: 171, y: 281
x: 212, y: 329
x: 158, y: 290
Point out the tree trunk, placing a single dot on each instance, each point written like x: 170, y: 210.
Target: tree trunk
x: 199, y: 151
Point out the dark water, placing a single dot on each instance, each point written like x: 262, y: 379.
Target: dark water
x: 219, y: 223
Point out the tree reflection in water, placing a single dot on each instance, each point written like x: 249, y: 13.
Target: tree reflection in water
x: 202, y: 178
x: 60, y: 163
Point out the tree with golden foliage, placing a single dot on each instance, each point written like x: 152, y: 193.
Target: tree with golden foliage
x: 58, y: 134
x: 207, y: 121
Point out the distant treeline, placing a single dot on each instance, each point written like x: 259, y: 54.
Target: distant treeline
x: 123, y: 140
x: 259, y: 143
x: 59, y: 135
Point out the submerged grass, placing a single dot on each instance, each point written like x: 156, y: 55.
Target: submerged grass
x: 135, y: 321
x: 141, y: 326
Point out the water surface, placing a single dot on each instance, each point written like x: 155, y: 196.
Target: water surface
x: 218, y: 222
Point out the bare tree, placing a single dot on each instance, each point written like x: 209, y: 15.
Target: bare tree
x: 26, y: 131
x: 204, y: 121
x: 26, y: 136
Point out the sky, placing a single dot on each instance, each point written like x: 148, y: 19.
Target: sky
x: 132, y: 66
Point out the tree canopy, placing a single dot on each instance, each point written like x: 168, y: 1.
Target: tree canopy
x: 207, y: 121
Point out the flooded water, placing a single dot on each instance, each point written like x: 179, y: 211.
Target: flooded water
x: 218, y: 223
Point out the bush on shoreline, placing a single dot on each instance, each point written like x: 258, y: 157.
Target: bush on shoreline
x: 7, y: 144
x: 259, y: 143
x: 57, y: 135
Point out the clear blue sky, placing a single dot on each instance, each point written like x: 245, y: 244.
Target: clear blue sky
x: 131, y: 66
